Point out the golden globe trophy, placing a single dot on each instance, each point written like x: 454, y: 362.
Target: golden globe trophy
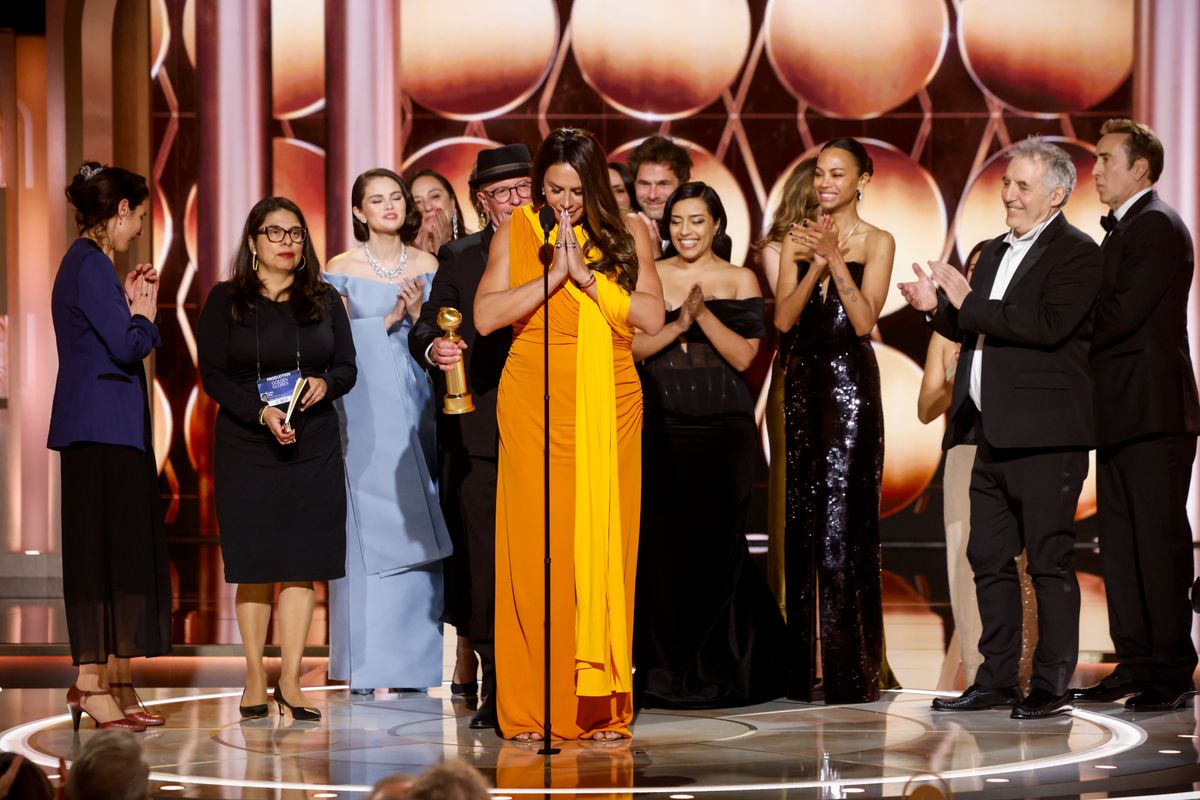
x: 458, y: 397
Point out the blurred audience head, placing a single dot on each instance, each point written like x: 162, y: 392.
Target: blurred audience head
x: 453, y: 779
x: 111, y: 767
x: 392, y: 787
x: 24, y: 779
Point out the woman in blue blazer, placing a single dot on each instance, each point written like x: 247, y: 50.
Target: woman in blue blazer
x: 116, y: 578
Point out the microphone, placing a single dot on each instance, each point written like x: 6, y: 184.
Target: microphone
x: 548, y: 219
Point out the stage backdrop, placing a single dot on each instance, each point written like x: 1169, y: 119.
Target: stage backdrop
x: 296, y: 97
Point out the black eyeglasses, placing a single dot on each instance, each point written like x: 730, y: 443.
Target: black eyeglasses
x: 524, y: 191
x: 274, y: 233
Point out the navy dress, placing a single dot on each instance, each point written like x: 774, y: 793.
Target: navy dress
x: 281, y: 508
x: 384, y: 616
x: 834, y: 423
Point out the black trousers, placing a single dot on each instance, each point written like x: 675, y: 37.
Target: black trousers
x: 470, y: 484
x: 1146, y: 552
x: 1025, y: 499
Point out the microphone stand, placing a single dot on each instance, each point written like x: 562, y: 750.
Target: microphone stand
x: 546, y: 256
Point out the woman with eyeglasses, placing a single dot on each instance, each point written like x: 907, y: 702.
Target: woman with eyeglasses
x: 275, y: 351
x: 396, y: 536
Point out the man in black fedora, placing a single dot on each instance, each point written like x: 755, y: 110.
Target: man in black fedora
x: 467, y: 443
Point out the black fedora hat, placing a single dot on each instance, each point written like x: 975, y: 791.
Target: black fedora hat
x: 498, y: 163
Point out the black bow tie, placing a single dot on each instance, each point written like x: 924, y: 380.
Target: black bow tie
x: 1108, y: 221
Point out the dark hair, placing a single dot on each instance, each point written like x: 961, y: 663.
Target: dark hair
x: 627, y: 179
x: 412, y: 217
x: 1141, y: 143
x: 661, y: 150
x: 976, y: 250
x: 722, y: 245
x: 96, y: 193
x: 456, y: 223
x: 798, y: 203
x: 31, y: 783
x: 602, y: 220
x: 854, y: 147
x: 308, y: 291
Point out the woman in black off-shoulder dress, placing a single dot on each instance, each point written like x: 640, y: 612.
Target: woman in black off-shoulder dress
x: 707, y: 630
x: 828, y: 306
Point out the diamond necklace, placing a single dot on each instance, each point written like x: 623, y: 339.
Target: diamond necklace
x: 389, y: 274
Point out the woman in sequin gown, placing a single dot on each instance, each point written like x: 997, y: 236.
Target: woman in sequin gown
x: 834, y: 421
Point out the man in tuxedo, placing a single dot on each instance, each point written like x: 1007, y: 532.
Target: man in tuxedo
x: 1023, y: 395
x: 467, y: 443
x: 1147, y: 418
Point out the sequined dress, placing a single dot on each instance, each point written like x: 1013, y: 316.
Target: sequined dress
x: 834, y: 422
x: 707, y: 632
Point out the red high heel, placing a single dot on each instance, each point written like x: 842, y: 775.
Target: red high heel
x: 75, y: 698
x: 143, y: 716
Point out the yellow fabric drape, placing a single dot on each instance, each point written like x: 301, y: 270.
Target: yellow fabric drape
x: 602, y: 664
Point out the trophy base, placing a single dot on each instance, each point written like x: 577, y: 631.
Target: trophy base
x: 458, y: 404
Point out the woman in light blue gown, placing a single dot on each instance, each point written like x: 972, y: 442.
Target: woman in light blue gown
x: 385, y: 615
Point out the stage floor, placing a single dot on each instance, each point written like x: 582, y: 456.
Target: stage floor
x: 886, y: 749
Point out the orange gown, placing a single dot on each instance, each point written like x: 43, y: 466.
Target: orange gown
x: 594, y: 514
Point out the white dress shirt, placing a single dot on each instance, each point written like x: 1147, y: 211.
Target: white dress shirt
x: 1018, y: 247
x: 1128, y: 204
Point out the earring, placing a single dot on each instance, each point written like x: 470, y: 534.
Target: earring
x: 860, y: 195
x: 300, y: 266
x: 254, y: 261
x: 454, y: 226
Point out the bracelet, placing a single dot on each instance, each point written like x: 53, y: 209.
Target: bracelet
x: 261, y: 414
x: 583, y: 287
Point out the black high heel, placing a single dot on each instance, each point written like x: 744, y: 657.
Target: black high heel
x: 465, y: 690
x: 298, y: 712
x: 257, y: 711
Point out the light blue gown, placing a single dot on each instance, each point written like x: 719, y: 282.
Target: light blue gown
x: 385, y: 615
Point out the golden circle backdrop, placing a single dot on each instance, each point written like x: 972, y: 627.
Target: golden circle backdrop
x: 650, y: 61
x: 911, y: 451
x: 474, y: 59
x: 1039, y: 61
x: 861, y: 60
x: 981, y: 213
x: 705, y: 167
x: 902, y: 199
x: 189, y: 31
x: 297, y: 57
x: 454, y: 159
x: 300, y: 175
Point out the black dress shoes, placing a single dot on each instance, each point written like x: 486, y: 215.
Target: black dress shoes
x: 979, y: 698
x: 1106, y: 691
x: 1040, y: 704
x: 1157, y: 700
x: 485, y: 716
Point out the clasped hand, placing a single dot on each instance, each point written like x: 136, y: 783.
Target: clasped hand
x: 693, y: 308
x: 568, y: 255
x: 141, y: 290
x: 409, y: 299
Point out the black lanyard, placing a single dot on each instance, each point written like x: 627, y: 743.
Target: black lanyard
x: 258, y: 356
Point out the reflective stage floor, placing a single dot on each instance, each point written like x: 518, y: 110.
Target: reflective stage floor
x: 897, y: 747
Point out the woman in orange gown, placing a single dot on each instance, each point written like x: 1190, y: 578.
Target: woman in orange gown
x: 603, y: 285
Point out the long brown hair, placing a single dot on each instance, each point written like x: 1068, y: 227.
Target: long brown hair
x: 308, y: 291
x: 799, y: 202
x: 602, y: 218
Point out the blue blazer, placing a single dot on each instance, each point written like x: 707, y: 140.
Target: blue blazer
x: 99, y: 395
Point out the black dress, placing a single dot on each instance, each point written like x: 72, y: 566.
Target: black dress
x: 281, y: 509
x: 834, y: 419
x: 707, y: 630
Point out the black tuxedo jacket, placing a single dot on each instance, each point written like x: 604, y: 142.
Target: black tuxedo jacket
x: 1036, y: 384
x: 1145, y: 384
x: 460, y: 267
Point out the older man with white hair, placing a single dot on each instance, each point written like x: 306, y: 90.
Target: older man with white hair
x: 1023, y: 395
